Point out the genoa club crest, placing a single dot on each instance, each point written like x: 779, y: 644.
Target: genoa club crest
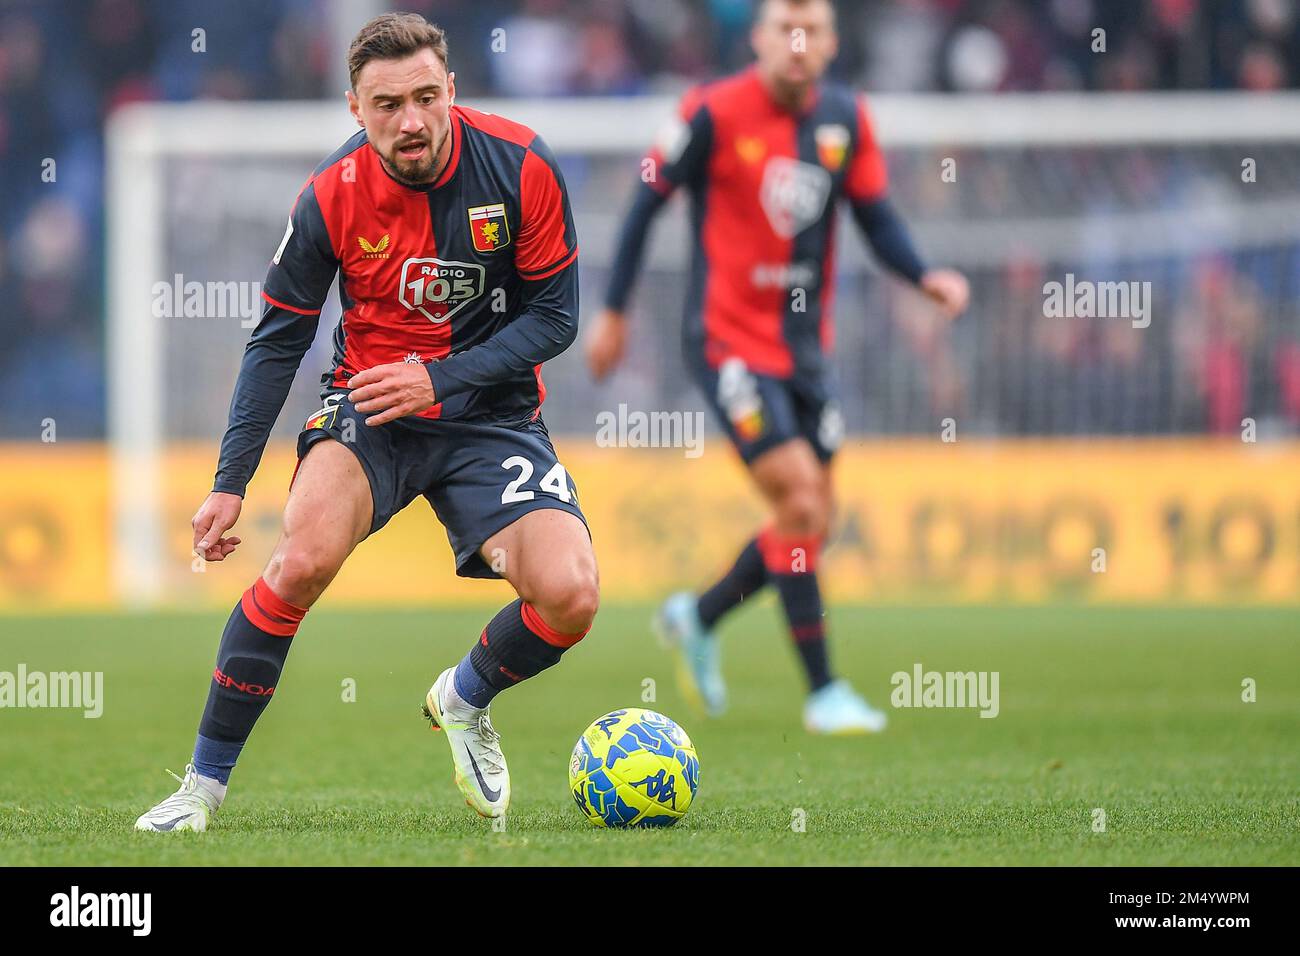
x: 832, y: 145
x: 488, y: 226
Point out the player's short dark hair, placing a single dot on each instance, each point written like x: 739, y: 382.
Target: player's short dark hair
x: 760, y: 7
x: 392, y: 36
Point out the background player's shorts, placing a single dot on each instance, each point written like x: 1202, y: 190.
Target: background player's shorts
x: 760, y: 412
x: 478, y: 478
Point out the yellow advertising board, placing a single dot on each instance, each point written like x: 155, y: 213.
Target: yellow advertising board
x: 1011, y: 522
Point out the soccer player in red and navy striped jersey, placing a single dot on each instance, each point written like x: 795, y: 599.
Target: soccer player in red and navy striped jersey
x: 455, y: 250
x: 767, y: 155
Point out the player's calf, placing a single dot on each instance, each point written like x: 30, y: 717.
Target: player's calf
x: 546, y: 555
x: 516, y: 644
x: 250, y: 659
x: 328, y: 512
x: 791, y: 562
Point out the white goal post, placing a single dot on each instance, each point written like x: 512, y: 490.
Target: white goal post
x: 143, y: 138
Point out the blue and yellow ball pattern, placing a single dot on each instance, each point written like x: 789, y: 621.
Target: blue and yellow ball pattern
x: 634, y: 768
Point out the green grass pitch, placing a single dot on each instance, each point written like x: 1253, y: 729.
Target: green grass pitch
x: 1137, y: 712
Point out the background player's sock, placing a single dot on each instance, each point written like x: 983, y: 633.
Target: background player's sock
x: 250, y: 658
x: 516, y: 645
x: 746, y: 576
x: 791, y: 565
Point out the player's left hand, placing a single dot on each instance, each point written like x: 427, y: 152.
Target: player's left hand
x: 393, y: 391
x: 949, y: 289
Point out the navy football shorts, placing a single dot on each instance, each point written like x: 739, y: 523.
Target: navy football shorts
x: 760, y: 412
x: 478, y: 478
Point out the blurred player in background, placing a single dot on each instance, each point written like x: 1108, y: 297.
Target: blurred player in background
x: 451, y: 233
x: 766, y: 156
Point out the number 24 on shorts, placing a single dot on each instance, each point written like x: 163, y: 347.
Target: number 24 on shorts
x: 555, y: 481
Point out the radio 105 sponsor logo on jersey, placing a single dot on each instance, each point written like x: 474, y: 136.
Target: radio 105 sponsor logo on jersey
x: 439, y: 288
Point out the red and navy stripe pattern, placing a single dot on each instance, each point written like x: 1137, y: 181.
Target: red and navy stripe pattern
x: 764, y: 183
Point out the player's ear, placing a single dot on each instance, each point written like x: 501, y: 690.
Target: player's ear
x: 451, y: 88
x: 354, y: 107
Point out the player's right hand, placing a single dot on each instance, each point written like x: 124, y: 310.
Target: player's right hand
x: 215, y: 517
x: 606, y: 343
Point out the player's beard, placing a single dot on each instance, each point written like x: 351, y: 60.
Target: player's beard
x: 418, y: 172
x: 792, y: 94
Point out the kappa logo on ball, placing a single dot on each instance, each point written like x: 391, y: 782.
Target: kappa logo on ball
x: 794, y: 194
x: 438, y: 288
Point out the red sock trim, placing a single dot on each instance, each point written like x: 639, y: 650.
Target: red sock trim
x: 809, y: 632
x: 269, y: 612
x: 782, y: 554
x: 533, y: 621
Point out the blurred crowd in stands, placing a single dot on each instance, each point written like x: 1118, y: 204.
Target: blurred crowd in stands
x: 66, y: 64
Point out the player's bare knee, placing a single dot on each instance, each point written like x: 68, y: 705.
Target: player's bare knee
x: 569, y: 602
x: 803, y: 510
x: 299, y: 575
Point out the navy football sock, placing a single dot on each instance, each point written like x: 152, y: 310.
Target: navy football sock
x: 251, y: 656
x: 216, y: 758
x: 802, y: 600
x: 791, y: 565
x: 516, y: 645
x: 746, y: 576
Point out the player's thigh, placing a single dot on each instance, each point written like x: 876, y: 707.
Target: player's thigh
x: 546, y: 554
x: 822, y: 424
x: 327, y: 515
x: 828, y: 487
x: 793, y: 480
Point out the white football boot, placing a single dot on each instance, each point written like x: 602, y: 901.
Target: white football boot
x: 481, y: 772
x: 699, y: 666
x: 192, y: 807
x: 839, y: 710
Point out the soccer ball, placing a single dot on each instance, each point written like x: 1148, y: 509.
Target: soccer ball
x: 634, y: 768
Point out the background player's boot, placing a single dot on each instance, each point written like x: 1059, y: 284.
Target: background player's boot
x: 481, y: 772
x: 838, y: 709
x: 699, y: 665
x: 192, y: 807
